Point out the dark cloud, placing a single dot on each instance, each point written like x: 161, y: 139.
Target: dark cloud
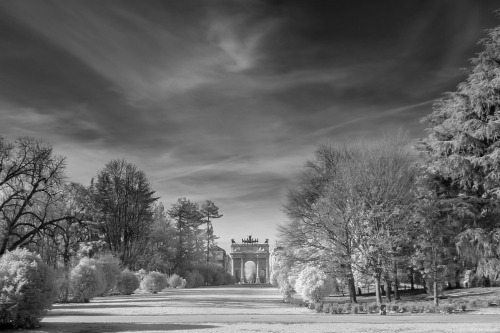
x: 226, y: 99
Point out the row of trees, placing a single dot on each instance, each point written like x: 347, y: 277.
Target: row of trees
x: 118, y: 213
x: 385, y: 211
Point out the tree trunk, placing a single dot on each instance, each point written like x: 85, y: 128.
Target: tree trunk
x: 436, y: 296
x: 396, y: 282
x: 412, y: 279
x: 352, y: 289
x: 378, y: 296
x: 396, y: 290
x: 351, y: 283
x: 388, y: 289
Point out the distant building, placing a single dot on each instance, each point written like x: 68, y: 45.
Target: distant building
x: 219, y: 256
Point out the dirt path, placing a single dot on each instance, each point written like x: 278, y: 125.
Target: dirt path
x: 236, y: 309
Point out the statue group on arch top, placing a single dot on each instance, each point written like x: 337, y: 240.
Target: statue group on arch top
x: 250, y: 240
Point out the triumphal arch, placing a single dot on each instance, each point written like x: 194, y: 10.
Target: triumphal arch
x: 250, y: 260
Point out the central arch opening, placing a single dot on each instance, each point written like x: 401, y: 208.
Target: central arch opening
x: 250, y: 272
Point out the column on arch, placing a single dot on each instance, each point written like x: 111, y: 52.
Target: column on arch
x: 242, y: 272
x: 257, y: 278
x: 232, y: 266
x: 267, y: 269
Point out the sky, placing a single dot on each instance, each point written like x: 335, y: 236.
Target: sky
x: 225, y: 100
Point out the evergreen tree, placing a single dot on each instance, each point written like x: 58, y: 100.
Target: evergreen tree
x: 188, y: 218
x: 210, y: 211
x: 463, y: 155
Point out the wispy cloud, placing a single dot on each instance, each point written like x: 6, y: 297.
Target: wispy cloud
x: 224, y: 100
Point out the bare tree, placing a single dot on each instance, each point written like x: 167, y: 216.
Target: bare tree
x: 31, y: 179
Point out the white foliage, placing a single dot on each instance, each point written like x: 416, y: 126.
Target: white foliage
x: 313, y: 284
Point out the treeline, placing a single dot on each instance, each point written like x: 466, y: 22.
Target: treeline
x: 117, y: 213
x: 389, y: 212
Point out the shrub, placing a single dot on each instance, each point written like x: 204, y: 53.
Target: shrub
x: 141, y: 274
x: 127, y: 282
x: 110, y: 266
x: 62, y: 285
x: 447, y: 308
x: 154, y: 282
x: 189, y: 280
x: 213, y: 274
x: 27, y: 289
x: 199, y: 280
x: 313, y: 284
x: 373, y: 308
x: 229, y: 278
x: 86, y: 281
x: 174, y: 281
x: 219, y: 279
x: 346, y: 307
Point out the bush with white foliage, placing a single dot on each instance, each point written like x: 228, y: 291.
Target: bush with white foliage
x: 86, y: 281
x: 27, y: 289
x: 154, y: 282
x: 110, y: 266
x: 174, y: 281
x: 313, y: 284
x: 127, y: 282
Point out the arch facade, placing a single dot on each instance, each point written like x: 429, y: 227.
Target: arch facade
x: 250, y: 250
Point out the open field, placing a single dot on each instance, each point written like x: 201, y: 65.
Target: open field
x: 238, y: 309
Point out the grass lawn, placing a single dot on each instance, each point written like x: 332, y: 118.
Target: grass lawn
x: 486, y: 300
x: 231, y: 309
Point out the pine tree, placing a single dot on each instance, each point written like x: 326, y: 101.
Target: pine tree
x: 463, y: 152
x: 188, y: 218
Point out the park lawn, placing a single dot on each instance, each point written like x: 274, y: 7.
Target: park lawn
x: 232, y: 309
x: 207, y: 301
x: 484, y: 300
x: 466, y: 295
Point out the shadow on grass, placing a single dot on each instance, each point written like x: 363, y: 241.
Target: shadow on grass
x: 95, y: 306
x: 77, y: 313
x: 170, y: 299
x: 112, y: 327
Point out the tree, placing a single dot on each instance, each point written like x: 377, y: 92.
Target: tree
x: 353, y: 206
x: 161, y: 250
x: 188, y: 218
x: 31, y: 179
x: 210, y: 211
x: 383, y: 181
x: 123, y: 199
x: 60, y: 242
x: 463, y: 154
x: 321, y: 213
